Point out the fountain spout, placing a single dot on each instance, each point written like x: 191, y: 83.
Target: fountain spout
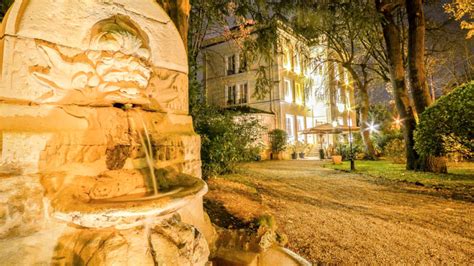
x: 148, y: 154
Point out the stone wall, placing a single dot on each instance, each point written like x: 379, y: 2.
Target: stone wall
x: 93, y: 108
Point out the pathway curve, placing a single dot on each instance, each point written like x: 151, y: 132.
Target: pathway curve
x: 335, y: 217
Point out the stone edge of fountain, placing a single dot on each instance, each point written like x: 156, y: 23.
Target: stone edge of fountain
x: 134, y: 215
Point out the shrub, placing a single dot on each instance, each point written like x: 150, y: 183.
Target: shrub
x: 384, y: 138
x: 345, y: 150
x: 395, y: 151
x: 448, y: 125
x: 226, y: 138
x: 278, y: 140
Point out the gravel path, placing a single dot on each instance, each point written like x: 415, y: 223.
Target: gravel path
x: 335, y: 217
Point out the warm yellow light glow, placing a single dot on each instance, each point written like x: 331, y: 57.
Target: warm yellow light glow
x: 340, y: 107
x: 397, y: 121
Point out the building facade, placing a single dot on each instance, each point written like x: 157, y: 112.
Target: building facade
x: 306, y: 88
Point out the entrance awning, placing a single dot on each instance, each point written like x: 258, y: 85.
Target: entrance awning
x: 329, y: 129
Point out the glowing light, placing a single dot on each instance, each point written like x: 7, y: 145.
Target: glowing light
x: 372, y: 127
x: 340, y: 107
x: 334, y: 123
x: 397, y: 120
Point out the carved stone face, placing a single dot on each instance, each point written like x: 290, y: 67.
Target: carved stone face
x: 114, y: 69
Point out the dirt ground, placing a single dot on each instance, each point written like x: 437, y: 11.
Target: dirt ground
x: 335, y: 217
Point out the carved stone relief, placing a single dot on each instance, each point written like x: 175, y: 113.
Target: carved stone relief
x: 113, y: 69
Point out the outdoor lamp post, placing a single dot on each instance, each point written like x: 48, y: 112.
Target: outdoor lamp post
x: 351, y: 156
x: 349, y: 123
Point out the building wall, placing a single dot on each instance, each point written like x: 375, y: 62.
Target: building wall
x: 324, y: 85
x: 216, y: 79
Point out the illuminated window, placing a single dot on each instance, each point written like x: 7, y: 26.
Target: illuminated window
x: 300, y: 121
x: 231, y: 95
x: 308, y: 97
x: 299, y: 94
x: 340, y: 121
x: 243, y: 67
x: 230, y: 64
x: 290, y: 127
x: 287, y: 58
x: 297, y: 63
x: 243, y: 93
x: 301, y: 127
x: 288, y: 90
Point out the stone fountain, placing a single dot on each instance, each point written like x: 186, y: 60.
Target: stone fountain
x: 99, y: 161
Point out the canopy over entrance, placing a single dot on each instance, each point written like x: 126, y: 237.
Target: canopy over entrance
x: 330, y: 129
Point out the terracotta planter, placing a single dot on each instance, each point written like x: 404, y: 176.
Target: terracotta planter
x: 336, y: 159
x: 276, y: 156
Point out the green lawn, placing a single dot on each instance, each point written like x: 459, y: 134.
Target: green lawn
x: 459, y: 174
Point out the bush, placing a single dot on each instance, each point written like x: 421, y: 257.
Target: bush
x: 226, y: 138
x: 448, y: 125
x: 395, y: 151
x: 345, y: 150
x: 384, y: 138
x: 278, y: 140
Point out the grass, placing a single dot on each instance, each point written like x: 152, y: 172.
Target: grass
x: 459, y: 174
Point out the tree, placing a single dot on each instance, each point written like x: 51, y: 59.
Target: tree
x: 449, y: 55
x: 416, y: 55
x: 393, y: 42
x: 343, y: 25
x: 462, y: 10
x: 278, y: 140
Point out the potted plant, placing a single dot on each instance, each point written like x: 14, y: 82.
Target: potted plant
x: 321, y: 154
x: 278, y: 142
x: 303, y: 148
x: 307, y: 149
x: 336, y: 156
x: 294, y: 150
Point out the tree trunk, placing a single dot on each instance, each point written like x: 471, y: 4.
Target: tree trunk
x: 416, y: 54
x: 416, y: 64
x: 178, y: 10
x: 391, y: 32
x: 364, y: 104
x: 364, y: 121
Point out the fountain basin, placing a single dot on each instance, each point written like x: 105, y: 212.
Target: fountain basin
x: 126, y: 211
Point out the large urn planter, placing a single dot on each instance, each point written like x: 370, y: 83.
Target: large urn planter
x: 294, y: 156
x: 336, y: 159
